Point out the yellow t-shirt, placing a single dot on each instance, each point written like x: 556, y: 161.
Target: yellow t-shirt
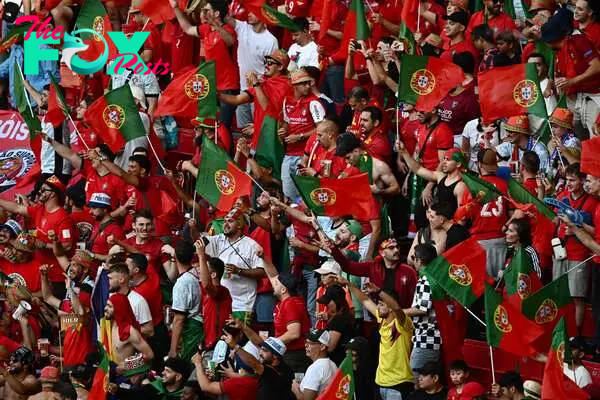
x: 394, y: 355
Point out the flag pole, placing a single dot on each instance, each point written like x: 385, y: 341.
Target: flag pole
x: 155, y: 154
x: 476, y: 317
x: 194, y: 205
x: 216, y: 132
x: 77, y: 131
x: 492, y: 365
x: 581, y: 263
x: 560, y: 160
x: 419, y: 18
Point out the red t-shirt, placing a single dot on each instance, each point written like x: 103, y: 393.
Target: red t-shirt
x: 458, y: 109
x: 27, y: 273
x: 320, y: 154
x: 592, y: 32
x: 302, y: 116
x: 240, y: 388
x: 61, y: 223
x: 497, y: 24
x: 110, y: 184
x: 460, y: 47
x: 98, y: 237
x: 216, y: 311
x: 378, y: 146
x: 329, y: 44
x: 215, y: 48
x: 441, y: 138
x: 493, y: 215
x: 150, y: 290
x: 78, y: 339
x: 84, y: 223
x: 292, y: 309
x: 409, y: 133
x: 297, y: 8
x: 154, y: 43
x: 354, y: 127
x: 391, y: 11
x: 573, y: 59
x: 542, y: 230
x: 576, y: 251
x: 151, y: 249
x: 181, y: 49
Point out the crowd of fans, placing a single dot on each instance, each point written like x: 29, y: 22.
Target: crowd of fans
x: 265, y: 301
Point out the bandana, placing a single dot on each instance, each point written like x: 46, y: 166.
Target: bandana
x: 387, y: 243
x: 456, y: 155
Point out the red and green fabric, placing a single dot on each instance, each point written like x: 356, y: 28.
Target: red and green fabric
x: 270, y: 150
x: 338, y: 197
x: 192, y: 94
x: 269, y: 15
x: 520, y: 278
x: 219, y: 180
x: 24, y: 108
x: 341, y: 386
x: 99, y: 388
x: 410, y: 14
x: 546, y: 306
x: 511, y: 90
x: 57, y: 105
x: 555, y: 384
x: 356, y: 27
x: 506, y: 327
x: 460, y: 271
x: 159, y: 11
x: 326, y: 16
x: 425, y: 81
x: 406, y: 36
x: 590, y: 156
x: 481, y: 190
x: 115, y: 118
x: 13, y: 35
x: 93, y: 16
x: 519, y: 194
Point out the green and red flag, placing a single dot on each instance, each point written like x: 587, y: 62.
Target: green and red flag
x: 590, y: 156
x: 219, y: 180
x: 406, y: 36
x: 506, y: 327
x: 460, y: 271
x: 192, y: 94
x: 520, y: 194
x: 93, y: 15
x: 425, y: 81
x: 57, y: 105
x: 520, y: 278
x: 270, y: 150
x: 341, y: 386
x: 24, y: 107
x: 338, y: 197
x: 269, y: 15
x: 546, y: 306
x: 511, y: 90
x: 356, y: 27
x: 115, y: 118
x: 410, y: 14
x: 481, y: 190
x: 99, y: 389
x: 13, y: 35
x: 555, y: 384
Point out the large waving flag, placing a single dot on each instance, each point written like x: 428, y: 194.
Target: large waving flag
x: 269, y: 150
x: 341, y: 386
x: 590, y: 156
x: 269, y: 15
x: 57, y: 105
x: 93, y: 15
x: 99, y: 388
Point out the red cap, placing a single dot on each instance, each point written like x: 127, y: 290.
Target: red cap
x: 518, y: 123
x: 56, y: 183
x: 279, y: 56
x: 49, y: 374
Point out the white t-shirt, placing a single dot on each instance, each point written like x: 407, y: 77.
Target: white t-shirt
x: 252, y: 49
x: 505, y: 151
x: 243, y: 254
x: 475, y: 137
x: 303, y: 56
x: 187, y: 295
x: 580, y: 376
x: 318, y: 375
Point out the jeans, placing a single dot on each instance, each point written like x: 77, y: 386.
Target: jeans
x: 289, y: 167
x: 333, y: 83
x: 244, y: 114
x: 312, y: 283
x: 263, y: 307
x: 419, y: 357
x: 228, y: 110
x: 389, y: 394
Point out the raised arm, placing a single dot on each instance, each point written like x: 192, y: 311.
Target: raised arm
x: 203, y: 272
x: 364, y: 300
x: 64, y: 151
x: 46, y: 290
x: 136, y: 339
x: 188, y: 28
x: 14, y: 208
x: 351, y: 267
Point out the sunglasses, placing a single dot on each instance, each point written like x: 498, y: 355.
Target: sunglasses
x: 270, y: 63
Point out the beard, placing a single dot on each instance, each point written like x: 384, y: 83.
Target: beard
x: 198, y: 141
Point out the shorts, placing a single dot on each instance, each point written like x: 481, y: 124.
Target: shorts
x: 495, y: 254
x: 578, y: 278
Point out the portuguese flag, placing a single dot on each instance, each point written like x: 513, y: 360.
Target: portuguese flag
x: 546, y: 306
x: 93, y: 16
x: 481, y: 190
x: 193, y: 93
x: 99, y: 388
x: 519, y: 194
x: 511, y: 90
x: 269, y: 15
x: 356, y: 27
x: 407, y: 37
x: 338, y: 197
x: 460, y: 271
x: 410, y: 15
x: 424, y: 81
x: 115, y: 118
x: 13, y: 35
x: 270, y: 150
x: 24, y: 107
x: 590, y: 156
x: 57, y: 105
x: 219, y: 180
x: 506, y: 327
x: 555, y: 385
x: 341, y: 386
x: 520, y: 278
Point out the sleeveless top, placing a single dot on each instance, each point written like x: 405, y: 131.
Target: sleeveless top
x: 445, y: 193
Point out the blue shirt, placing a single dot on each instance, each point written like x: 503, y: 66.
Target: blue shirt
x: 38, y: 81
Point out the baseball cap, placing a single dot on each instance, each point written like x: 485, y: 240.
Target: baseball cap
x: 13, y: 225
x: 354, y: 227
x: 56, y: 183
x: 345, y: 143
x: 274, y: 345
x: 577, y: 342
x: 318, y: 336
x: 49, y: 374
x: 99, y: 200
x: 333, y: 293
x: 461, y: 17
x: 329, y: 267
x: 289, y: 281
x: 431, y: 368
x: 357, y: 343
x: 532, y: 390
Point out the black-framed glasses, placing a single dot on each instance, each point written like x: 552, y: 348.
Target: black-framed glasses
x: 270, y: 63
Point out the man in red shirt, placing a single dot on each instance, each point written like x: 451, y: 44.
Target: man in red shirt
x: 319, y: 154
x: 49, y: 219
x: 19, y: 264
x: 372, y: 136
x: 585, y: 21
x: 577, y: 69
x: 576, y: 251
x: 456, y: 24
x: 218, y: 42
x: 358, y: 100
x: 302, y: 111
x: 104, y: 226
x: 497, y: 20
